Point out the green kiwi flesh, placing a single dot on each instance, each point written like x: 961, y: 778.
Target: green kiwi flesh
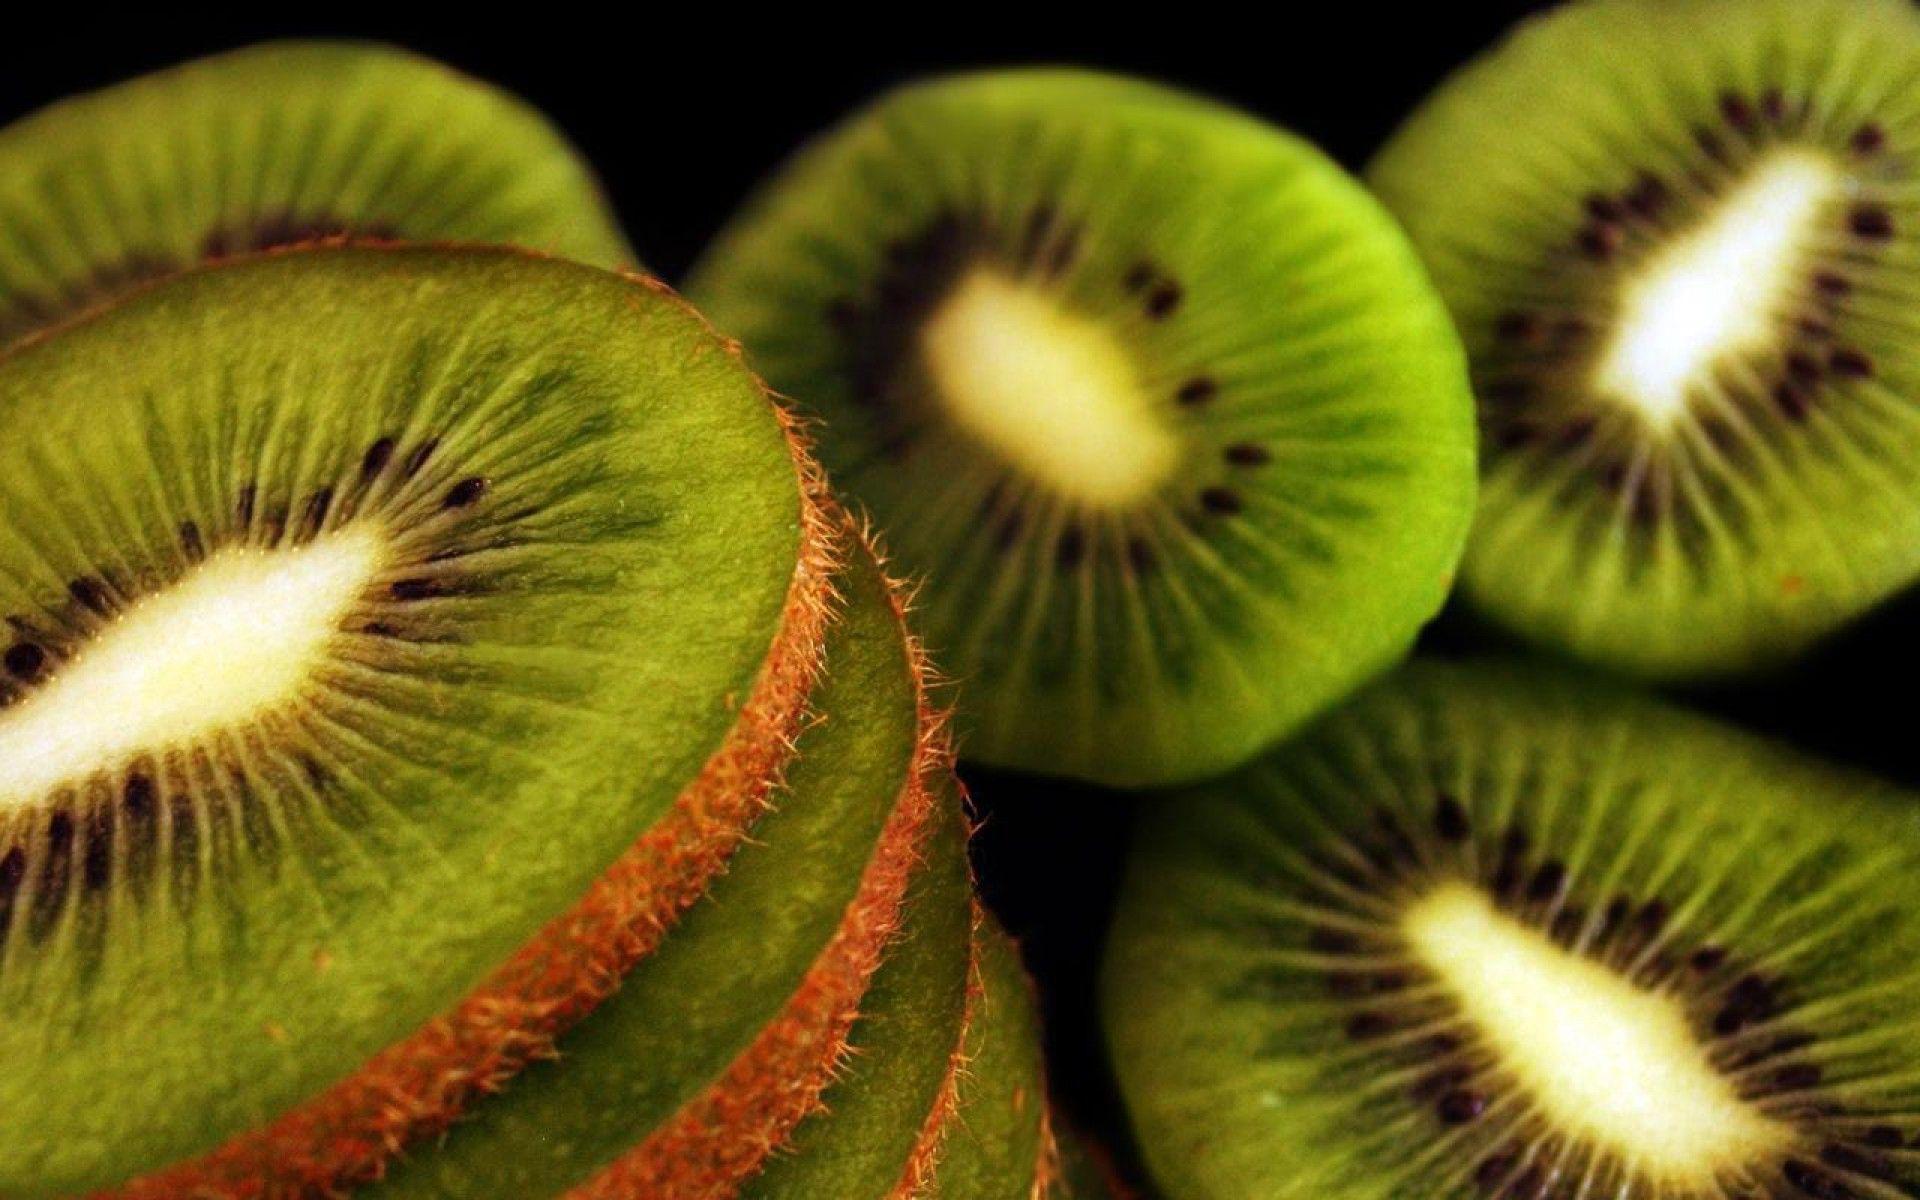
x: 573, y: 520
x: 1394, y: 958
x: 685, y: 1012
x: 1256, y: 468
x: 272, y: 145
x: 1679, y: 239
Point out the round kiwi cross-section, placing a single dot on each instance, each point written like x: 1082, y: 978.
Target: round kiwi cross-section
x: 1153, y: 397
x: 269, y: 146
x: 361, y: 606
x: 1679, y: 239
x: 1494, y: 934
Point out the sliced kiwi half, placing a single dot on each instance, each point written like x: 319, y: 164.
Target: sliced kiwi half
x: 1679, y: 239
x: 1493, y: 933
x: 1153, y: 397
x: 363, y: 608
x: 269, y: 146
x: 716, y: 1043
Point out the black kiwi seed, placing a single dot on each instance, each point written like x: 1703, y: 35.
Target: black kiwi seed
x: 1198, y: 390
x: 25, y: 661
x: 376, y: 458
x: 1222, y: 501
x: 1871, y: 221
x: 467, y: 491
x: 1450, y: 819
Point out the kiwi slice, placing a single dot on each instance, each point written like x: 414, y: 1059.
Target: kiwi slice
x: 269, y: 146
x: 1493, y: 933
x: 1175, y: 480
x: 945, y: 1091
x: 899, y: 1078
x: 363, y: 607
x: 738, y: 965
x: 1679, y: 240
x: 997, y: 1140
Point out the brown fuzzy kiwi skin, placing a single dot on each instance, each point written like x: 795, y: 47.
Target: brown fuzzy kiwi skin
x: 418, y: 1087
x: 725, y: 1135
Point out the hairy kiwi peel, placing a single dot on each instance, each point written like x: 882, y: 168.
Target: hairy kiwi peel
x: 275, y: 145
x: 1724, y: 521
x: 346, y: 959
x: 413, y: 1090
x: 1275, y: 1036
x: 1323, y: 476
x: 692, y: 1020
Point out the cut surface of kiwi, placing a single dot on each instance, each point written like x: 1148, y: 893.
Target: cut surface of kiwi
x: 1679, y: 241
x: 1493, y: 933
x: 273, y: 145
x: 731, y: 965
x: 362, y: 606
x: 1153, y: 397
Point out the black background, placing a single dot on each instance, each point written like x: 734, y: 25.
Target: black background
x: 681, y: 123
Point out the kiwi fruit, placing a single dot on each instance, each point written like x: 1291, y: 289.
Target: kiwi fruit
x: 385, y: 628
x: 1677, y: 236
x: 1494, y: 932
x: 1155, y: 400
x: 682, y: 1081
x: 998, y: 1138
x: 273, y: 145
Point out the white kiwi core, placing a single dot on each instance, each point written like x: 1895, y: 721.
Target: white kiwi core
x: 1050, y: 390
x: 1713, y: 293
x: 238, y: 636
x: 1599, y: 1057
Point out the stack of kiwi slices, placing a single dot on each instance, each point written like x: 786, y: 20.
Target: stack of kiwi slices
x: 453, y: 744
x: 1154, y: 397
x: 454, y: 748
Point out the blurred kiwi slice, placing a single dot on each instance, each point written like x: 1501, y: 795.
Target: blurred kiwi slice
x: 1493, y: 933
x: 1679, y: 239
x: 1153, y: 396
x: 272, y: 145
x: 690, y: 1021
x: 363, y: 607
